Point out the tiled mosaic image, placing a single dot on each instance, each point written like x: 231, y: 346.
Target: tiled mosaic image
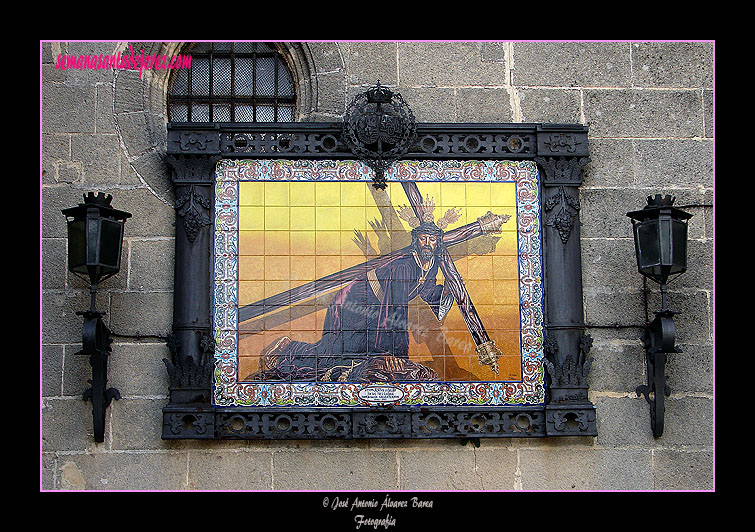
x: 339, y: 282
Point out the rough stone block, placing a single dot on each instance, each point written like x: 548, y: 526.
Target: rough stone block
x: 699, y: 272
x: 77, y: 371
x: 571, y: 64
x: 52, y: 370
x: 48, y: 471
x: 122, y: 471
x: 439, y: 64
x: 683, y: 470
x: 673, y: 64
x: 54, y: 263
x: 609, y: 261
x: 150, y: 216
x: 493, y: 52
x: 624, y: 421
x: 643, y: 113
x: 151, y: 264
x: 149, y: 167
x: 430, y: 104
x: 61, y: 324
x: 611, y: 164
x: 688, y: 422
x: 610, y: 306
x: 693, y: 321
x: 129, y: 93
x: 483, y: 105
x: 708, y: 100
x: 92, y: 48
x: 594, y: 469
x: 137, y: 370
x: 67, y: 425
x: 137, y: 424
x: 366, y: 63
x: 327, y: 56
x: 134, y: 132
x: 67, y: 109
x: 603, y: 214
x: 335, y: 470
x: 691, y: 371
x: 618, y: 365
x: 99, y: 156
x: 47, y: 55
x: 56, y: 149
x: 331, y: 94
x: 463, y: 468
x: 104, y: 111
x: 239, y: 470
x: 142, y: 314
x: 550, y: 105
x: 70, y: 173
x: 681, y: 163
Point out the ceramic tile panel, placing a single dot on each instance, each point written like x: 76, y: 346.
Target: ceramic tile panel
x: 300, y: 320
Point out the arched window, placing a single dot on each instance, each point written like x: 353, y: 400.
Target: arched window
x: 232, y: 82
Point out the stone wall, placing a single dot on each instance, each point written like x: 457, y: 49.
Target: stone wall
x: 649, y: 107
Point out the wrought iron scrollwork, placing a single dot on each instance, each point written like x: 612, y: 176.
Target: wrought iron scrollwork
x: 314, y: 424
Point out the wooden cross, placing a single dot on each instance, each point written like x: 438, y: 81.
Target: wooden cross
x: 487, y: 352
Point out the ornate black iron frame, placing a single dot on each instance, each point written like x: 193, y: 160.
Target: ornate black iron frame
x: 560, y: 151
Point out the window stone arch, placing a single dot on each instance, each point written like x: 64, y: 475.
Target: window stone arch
x: 140, y: 103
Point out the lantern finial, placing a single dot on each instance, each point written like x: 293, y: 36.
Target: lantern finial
x: 100, y: 199
x: 660, y: 201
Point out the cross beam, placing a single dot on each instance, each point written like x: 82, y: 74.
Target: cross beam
x: 487, y: 224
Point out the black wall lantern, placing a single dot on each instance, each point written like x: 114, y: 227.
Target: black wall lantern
x: 660, y: 241
x: 95, y: 241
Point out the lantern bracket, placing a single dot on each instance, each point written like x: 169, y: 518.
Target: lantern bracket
x: 659, y: 338
x: 96, y: 342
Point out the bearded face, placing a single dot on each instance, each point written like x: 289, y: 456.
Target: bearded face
x: 426, y: 245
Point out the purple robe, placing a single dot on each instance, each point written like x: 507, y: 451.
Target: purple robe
x: 366, y: 321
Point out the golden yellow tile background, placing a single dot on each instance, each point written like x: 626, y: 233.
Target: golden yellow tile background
x: 292, y: 233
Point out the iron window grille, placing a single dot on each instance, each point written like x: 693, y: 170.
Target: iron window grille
x: 232, y: 82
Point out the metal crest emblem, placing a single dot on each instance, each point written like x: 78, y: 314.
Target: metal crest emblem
x: 379, y: 128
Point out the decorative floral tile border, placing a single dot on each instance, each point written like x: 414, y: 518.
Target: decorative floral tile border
x: 229, y: 392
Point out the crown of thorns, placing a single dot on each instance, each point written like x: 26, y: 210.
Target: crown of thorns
x: 427, y: 207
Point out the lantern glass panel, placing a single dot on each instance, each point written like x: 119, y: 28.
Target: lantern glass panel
x: 648, y: 242
x: 77, y: 246
x: 110, y: 245
x: 679, y: 246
